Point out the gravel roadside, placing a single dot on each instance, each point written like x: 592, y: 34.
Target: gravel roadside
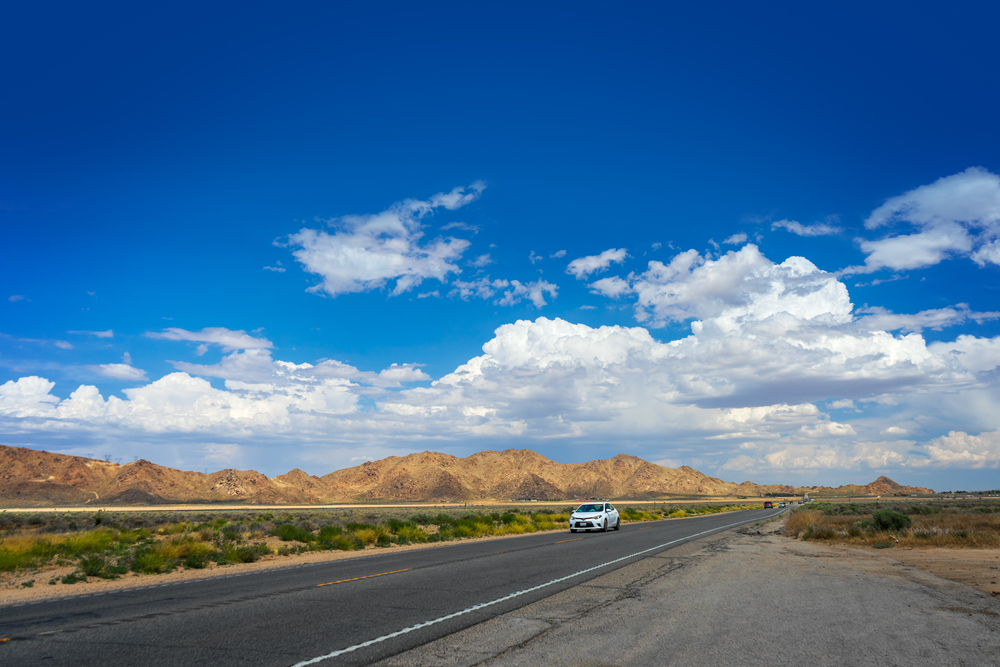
x: 739, y: 598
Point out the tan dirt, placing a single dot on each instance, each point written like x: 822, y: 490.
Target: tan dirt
x: 978, y: 568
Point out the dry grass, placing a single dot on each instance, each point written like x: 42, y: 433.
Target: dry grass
x: 955, y: 527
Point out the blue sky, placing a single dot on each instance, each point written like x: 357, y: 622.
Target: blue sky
x: 652, y: 168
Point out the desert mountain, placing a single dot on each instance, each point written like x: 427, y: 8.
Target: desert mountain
x: 35, y: 478
x: 883, y: 486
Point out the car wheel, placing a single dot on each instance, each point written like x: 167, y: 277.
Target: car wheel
x: 572, y: 530
x: 618, y: 524
x: 605, y: 528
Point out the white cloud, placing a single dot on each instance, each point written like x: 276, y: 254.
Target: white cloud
x: 584, y: 266
x: 120, y: 372
x: 957, y: 215
x: 460, y: 225
x: 483, y: 288
x: 771, y: 348
x: 612, y: 287
x: 482, y: 260
x: 740, y: 286
x: 963, y: 450
x: 14, y: 298
x: 426, y: 295
x: 367, y: 251
x: 937, y: 319
x: 63, y: 345
x: 229, y: 340
x: 736, y: 239
x: 558, y: 254
x: 99, y: 334
x: 276, y: 269
x: 797, y: 228
x: 532, y: 257
x: 535, y: 291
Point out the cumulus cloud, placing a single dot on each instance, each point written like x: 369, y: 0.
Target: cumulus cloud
x: 613, y: 287
x: 797, y: 228
x: 739, y: 286
x: 584, y: 266
x: 229, y: 340
x: 957, y: 215
x: 959, y: 449
x: 736, y: 239
x: 936, y: 319
x: 772, y: 348
x: 366, y: 252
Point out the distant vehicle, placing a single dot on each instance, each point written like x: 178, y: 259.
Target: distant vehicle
x: 781, y: 504
x: 768, y: 505
x: 595, y: 516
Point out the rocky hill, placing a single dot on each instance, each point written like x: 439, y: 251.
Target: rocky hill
x: 883, y: 486
x: 36, y: 478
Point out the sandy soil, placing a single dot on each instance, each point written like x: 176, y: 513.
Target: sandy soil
x: 978, y: 568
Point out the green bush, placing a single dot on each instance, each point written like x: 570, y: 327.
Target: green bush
x: 888, y: 520
x: 327, y: 533
x: 287, y: 532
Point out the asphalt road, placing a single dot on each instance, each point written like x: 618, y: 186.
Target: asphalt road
x: 348, y: 612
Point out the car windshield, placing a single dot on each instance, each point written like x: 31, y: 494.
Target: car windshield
x: 590, y: 508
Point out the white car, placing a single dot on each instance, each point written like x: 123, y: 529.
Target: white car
x: 595, y: 516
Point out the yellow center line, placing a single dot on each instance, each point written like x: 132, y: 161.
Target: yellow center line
x: 564, y: 541
x: 342, y: 581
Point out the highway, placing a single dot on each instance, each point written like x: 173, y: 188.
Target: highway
x: 347, y: 612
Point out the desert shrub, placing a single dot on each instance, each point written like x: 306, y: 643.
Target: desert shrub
x: 148, y: 561
x: 882, y: 545
x: 196, y: 561
x: 92, y: 566
x: 411, y: 533
x: 819, y: 532
x: 247, y: 553
x: 923, y: 510
x: 287, y: 532
x: 678, y: 514
x: 367, y: 535
x: 889, y: 520
x: 854, y: 530
x: 232, y: 531
x: 73, y: 577
x: 355, y: 526
x: 327, y: 533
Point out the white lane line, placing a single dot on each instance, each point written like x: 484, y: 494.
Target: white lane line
x: 418, y: 626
